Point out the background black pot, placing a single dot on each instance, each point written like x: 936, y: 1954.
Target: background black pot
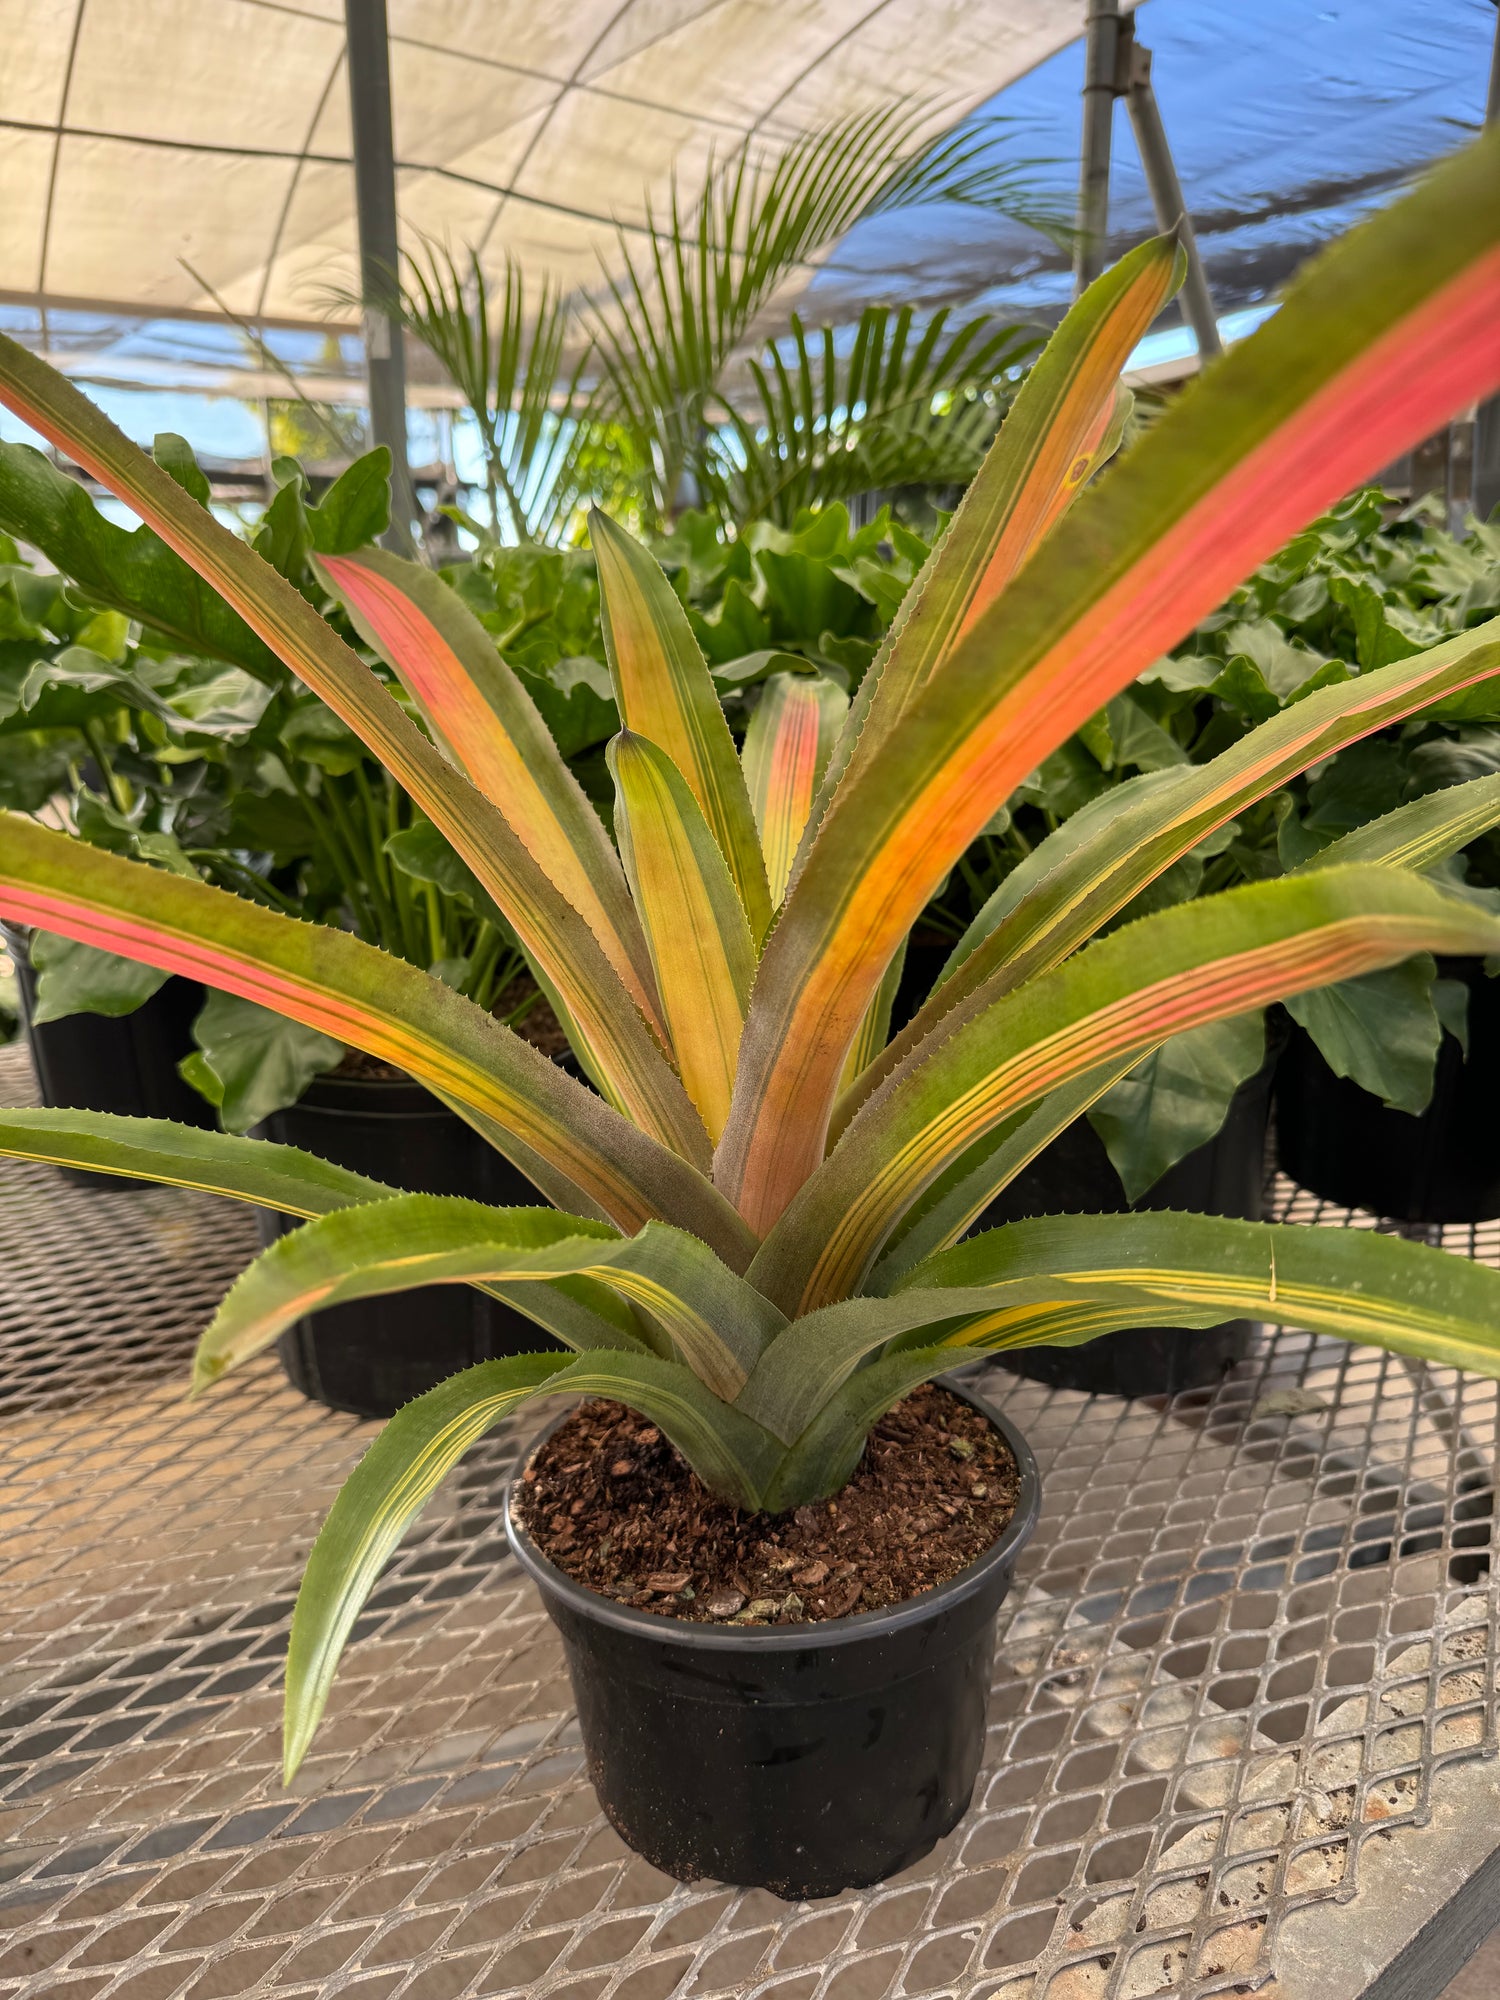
x: 126, y: 1064
x: 372, y: 1355
x: 802, y: 1759
x: 1073, y: 1175
x: 1443, y: 1166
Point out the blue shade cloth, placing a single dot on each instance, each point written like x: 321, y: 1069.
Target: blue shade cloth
x: 1288, y: 119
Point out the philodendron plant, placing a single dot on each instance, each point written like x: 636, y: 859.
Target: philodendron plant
x: 757, y: 1238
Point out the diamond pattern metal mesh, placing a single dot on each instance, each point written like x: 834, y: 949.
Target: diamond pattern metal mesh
x: 1252, y: 1625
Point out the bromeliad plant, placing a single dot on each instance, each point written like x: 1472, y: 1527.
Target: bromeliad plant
x: 757, y: 1240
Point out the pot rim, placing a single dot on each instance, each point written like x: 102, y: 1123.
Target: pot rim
x: 763, y: 1639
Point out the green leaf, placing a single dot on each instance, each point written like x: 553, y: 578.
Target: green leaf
x: 283, y: 539
x: 260, y: 1061
x: 1176, y: 1100
x: 76, y: 978
x: 1380, y: 1030
x: 225, y: 705
x: 1198, y: 1269
x: 1201, y: 961
x: 1242, y: 687
x: 271, y: 1176
x: 423, y: 1442
x: 356, y: 509
x: 574, y: 698
x: 421, y: 852
x: 715, y: 1321
x: 175, y: 457
x: 130, y: 570
x: 378, y: 1502
x: 34, y: 766
x: 1420, y: 834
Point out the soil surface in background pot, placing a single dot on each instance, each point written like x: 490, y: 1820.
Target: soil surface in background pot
x: 610, y: 1502
x: 538, y: 1025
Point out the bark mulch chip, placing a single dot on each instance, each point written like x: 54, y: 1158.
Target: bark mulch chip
x: 610, y: 1502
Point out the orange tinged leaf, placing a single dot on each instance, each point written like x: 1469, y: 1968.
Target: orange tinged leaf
x: 1389, y: 334
x: 666, y: 694
x: 695, y: 924
x: 787, y: 747
x: 562, y: 1136
x: 1202, y: 961
x: 477, y: 707
x: 558, y: 940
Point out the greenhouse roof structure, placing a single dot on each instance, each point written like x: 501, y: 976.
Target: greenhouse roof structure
x: 173, y: 165
x: 144, y: 137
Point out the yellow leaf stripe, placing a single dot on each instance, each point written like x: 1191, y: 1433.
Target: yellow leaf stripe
x: 1199, y: 962
x: 666, y: 694
x: 694, y: 921
x: 561, y: 1136
x: 448, y: 664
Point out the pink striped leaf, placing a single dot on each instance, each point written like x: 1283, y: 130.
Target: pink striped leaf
x: 1382, y: 340
x: 478, y: 708
x: 787, y: 747
x: 576, y: 1150
x: 1125, y: 995
x: 557, y: 939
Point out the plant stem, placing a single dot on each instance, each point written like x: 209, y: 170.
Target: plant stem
x: 119, y: 790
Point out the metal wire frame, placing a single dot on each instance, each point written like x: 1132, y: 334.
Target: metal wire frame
x: 1254, y: 1624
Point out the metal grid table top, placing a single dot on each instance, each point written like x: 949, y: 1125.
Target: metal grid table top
x: 1252, y: 1628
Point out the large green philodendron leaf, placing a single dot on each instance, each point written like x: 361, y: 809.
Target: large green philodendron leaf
x: 1378, y: 343
x: 75, y: 978
x: 1177, y: 1099
x: 1382, y: 1030
x: 423, y: 1442
x: 714, y: 1320
x: 250, y: 1060
x: 132, y: 570
x: 1198, y: 962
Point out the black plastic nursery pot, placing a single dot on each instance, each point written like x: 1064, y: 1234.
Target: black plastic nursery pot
x: 800, y: 1759
x: 370, y: 1356
x: 1074, y: 1175
x: 124, y: 1063
x: 1443, y: 1165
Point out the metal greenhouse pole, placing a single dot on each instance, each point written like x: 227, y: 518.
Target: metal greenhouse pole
x: 379, y: 257
x: 1101, y: 66
x: 1117, y: 65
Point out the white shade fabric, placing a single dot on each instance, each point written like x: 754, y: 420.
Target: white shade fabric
x: 138, y: 137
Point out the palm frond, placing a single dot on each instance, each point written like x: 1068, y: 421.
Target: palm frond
x: 674, y: 315
x: 507, y: 354
x: 889, y: 403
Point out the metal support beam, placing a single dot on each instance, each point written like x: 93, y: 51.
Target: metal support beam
x: 379, y: 258
x: 1116, y: 65
x: 1166, y: 190
x: 1100, y: 88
